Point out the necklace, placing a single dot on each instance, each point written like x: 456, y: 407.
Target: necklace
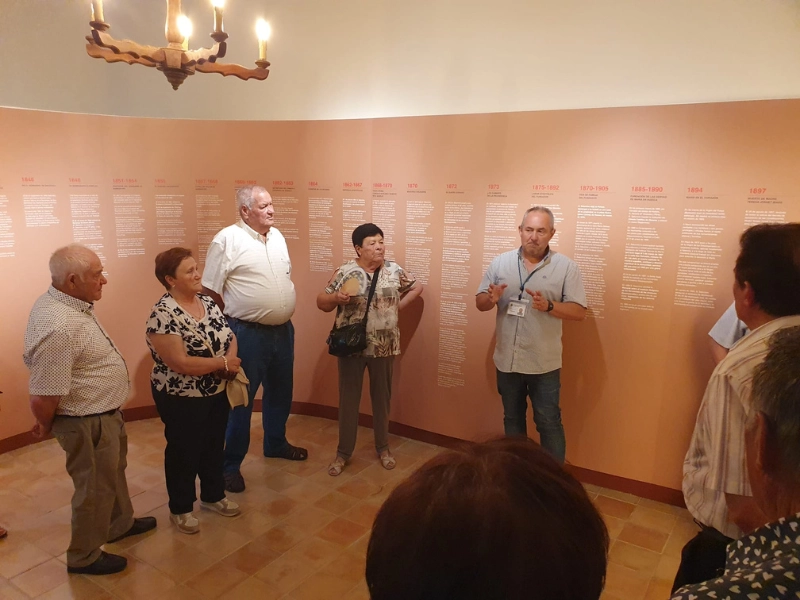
x: 196, y: 308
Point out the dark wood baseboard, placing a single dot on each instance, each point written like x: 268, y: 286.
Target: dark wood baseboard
x: 614, y: 482
x: 642, y: 489
x: 18, y: 441
x: 140, y: 412
x: 26, y: 439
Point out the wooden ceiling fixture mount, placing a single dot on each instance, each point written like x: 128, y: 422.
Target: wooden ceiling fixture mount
x: 175, y: 60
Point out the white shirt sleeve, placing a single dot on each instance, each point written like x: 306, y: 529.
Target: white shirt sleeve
x: 217, y: 265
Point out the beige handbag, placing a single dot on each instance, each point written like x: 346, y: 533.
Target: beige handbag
x: 238, y: 390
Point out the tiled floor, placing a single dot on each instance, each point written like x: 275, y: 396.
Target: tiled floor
x: 302, y: 534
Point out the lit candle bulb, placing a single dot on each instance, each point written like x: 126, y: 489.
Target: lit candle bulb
x: 262, y: 31
x: 218, y: 6
x: 185, y: 28
x: 97, y: 11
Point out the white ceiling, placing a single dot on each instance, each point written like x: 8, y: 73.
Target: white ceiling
x: 334, y: 59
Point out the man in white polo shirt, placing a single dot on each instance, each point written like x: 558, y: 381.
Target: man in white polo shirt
x: 248, y: 273
x: 534, y: 290
x: 78, y: 383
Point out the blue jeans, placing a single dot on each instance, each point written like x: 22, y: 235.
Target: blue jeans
x: 543, y: 389
x: 267, y: 354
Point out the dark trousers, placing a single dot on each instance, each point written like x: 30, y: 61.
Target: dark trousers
x: 195, y: 432
x: 267, y: 354
x: 544, y: 391
x: 702, y: 558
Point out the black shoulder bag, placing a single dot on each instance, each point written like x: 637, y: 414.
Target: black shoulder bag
x: 351, y: 339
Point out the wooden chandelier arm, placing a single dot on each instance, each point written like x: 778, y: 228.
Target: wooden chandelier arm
x: 230, y: 69
x: 147, y: 53
x: 203, y: 55
x: 110, y: 56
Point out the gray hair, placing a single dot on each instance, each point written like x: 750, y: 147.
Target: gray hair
x: 541, y: 209
x: 776, y: 393
x: 73, y: 259
x: 246, y: 194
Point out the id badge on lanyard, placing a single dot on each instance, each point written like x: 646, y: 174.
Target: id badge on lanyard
x: 518, y: 308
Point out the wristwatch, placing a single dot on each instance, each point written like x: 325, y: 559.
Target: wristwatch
x: 549, y: 306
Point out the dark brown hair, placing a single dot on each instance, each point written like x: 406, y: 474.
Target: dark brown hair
x: 501, y: 520
x: 364, y: 231
x: 167, y: 263
x: 769, y: 260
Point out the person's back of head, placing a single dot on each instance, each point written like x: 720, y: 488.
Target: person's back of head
x: 773, y: 432
x: 769, y: 260
x: 498, y: 520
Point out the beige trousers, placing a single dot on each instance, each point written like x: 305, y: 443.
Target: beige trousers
x: 97, y: 449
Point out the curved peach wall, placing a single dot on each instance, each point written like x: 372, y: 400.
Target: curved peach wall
x: 633, y: 375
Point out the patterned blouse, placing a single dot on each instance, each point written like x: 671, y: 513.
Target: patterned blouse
x: 169, y: 318
x: 762, y: 565
x: 383, y: 335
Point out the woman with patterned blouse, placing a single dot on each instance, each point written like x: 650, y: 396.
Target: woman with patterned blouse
x: 347, y: 292
x: 195, y: 353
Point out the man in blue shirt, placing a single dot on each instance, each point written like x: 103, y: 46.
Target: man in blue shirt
x: 534, y: 289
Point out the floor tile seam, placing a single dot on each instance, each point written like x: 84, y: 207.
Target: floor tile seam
x: 285, y: 594
x: 19, y: 589
x: 49, y: 557
x: 355, y: 585
x: 659, y: 552
x: 600, y: 494
x: 156, y: 566
x: 212, y: 566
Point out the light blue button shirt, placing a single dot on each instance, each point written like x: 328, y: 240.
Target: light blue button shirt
x: 729, y: 329
x: 531, y: 344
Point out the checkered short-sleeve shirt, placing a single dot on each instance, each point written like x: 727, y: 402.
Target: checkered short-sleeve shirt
x: 70, y: 355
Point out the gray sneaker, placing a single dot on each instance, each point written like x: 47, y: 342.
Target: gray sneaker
x: 225, y: 507
x: 186, y: 523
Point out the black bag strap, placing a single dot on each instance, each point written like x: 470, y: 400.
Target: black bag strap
x: 371, y: 293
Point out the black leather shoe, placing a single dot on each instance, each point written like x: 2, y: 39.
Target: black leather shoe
x: 234, y: 482
x: 106, y: 564
x: 139, y: 526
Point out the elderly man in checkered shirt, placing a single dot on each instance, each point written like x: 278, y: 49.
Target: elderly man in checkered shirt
x: 78, y: 383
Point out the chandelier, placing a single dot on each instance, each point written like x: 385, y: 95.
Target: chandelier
x: 175, y: 60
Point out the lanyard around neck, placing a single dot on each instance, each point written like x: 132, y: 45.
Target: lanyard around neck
x: 541, y: 264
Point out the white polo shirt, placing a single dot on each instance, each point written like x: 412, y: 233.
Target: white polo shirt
x: 252, y: 276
